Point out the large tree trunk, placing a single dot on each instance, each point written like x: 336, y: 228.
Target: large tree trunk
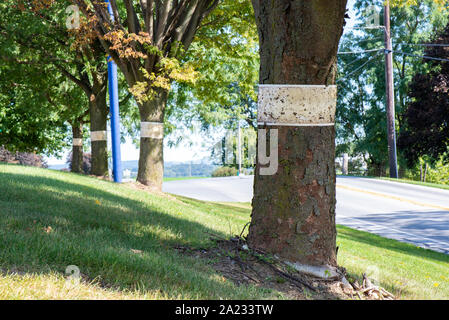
x: 293, y: 212
x: 98, y: 124
x: 77, y: 148
x: 151, y: 160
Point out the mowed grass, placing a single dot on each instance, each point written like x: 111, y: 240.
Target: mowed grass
x: 122, y: 241
x: 419, y: 183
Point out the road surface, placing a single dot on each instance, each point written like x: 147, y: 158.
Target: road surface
x: 405, y: 212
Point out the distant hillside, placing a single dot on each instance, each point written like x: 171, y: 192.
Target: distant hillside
x: 172, y: 169
x: 176, y: 169
x: 58, y: 166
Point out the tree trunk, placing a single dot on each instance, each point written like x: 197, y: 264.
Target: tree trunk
x: 345, y: 164
x: 151, y: 159
x: 98, y: 124
x: 293, y: 212
x: 77, y: 148
x: 425, y: 173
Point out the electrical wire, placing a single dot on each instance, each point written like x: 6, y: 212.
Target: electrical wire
x: 358, y: 52
x: 424, y: 44
x: 422, y: 57
x: 369, y: 28
x: 355, y: 61
x: 354, y: 71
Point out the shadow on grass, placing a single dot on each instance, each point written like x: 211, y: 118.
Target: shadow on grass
x: 125, y: 243
x: 242, y: 211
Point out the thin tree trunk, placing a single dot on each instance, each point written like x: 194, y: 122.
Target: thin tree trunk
x: 77, y: 148
x: 293, y: 212
x: 425, y: 173
x: 345, y: 164
x: 98, y: 123
x: 151, y: 160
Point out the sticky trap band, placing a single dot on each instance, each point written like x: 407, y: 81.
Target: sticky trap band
x: 297, y: 105
x: 98, y: 136
x: 154, y: 130
x: 77, y: 142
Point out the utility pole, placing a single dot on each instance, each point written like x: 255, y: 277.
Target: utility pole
x: 391, y: 127
x: 115, y: 117
x: 240, y: 149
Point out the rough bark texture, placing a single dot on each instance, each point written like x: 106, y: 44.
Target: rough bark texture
x: 151, y: 160
x: 294, y: 210
x: 77, y: 151
x: 98, y: 122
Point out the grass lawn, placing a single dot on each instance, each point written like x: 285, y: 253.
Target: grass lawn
x: 122, y: 241
x: 419, y: 183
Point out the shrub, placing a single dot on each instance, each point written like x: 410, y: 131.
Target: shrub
x: 23, y: 158
x: 224, y: 172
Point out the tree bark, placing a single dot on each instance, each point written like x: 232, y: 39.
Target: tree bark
x: 293, y: 212
x: 77, y: 151
x: 151, y: 159
x: 98, y: 122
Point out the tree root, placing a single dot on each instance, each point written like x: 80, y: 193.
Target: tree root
x: 300, y: 276
x: 370, y: 291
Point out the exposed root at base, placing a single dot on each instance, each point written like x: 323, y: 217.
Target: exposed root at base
x: 243, y: 266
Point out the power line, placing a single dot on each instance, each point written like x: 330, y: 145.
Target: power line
x: 369, y: 28
x: 422, y: 57
x: 424, y: 44
x: 354, y: 71
x: 359, y: 52
x: 355, y: 61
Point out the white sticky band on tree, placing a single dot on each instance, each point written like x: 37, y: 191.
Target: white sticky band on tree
x: 98, y: 136
x: 154, y: 130
x: 77, y: 142
x: 297, y: 105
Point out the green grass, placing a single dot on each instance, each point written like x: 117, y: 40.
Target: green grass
x: 419, y: 183
x: 122, y: 241
x: 425, y: 184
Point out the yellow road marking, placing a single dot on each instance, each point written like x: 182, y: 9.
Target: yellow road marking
x: 392, y: 197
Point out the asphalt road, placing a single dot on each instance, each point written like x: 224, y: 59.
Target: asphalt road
x: 405, y: 212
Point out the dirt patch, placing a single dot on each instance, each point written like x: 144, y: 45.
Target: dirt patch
x: 237, y: 263
x: 244, y: 267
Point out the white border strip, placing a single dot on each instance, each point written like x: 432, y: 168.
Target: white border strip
x: 98, y: 136
x: 77, y: 142
x: 297, y: 105
x: 153, y: 130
